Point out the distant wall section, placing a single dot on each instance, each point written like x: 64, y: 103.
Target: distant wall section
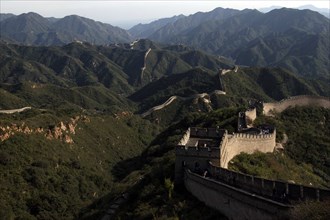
x: 295, y: 101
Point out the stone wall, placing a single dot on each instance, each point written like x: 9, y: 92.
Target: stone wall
x: 240, y: 142
x: 251, y: 115
x: 233, y: 202
x: 214, y: 133
x: 295, y: 101
x: 194, y: 158
x: 271, y: 189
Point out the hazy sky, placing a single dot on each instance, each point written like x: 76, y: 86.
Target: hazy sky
x: 127, y: 13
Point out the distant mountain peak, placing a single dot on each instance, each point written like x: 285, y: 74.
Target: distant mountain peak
x: 32, y: 28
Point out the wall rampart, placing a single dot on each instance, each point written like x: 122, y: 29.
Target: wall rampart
x: 296, y: 101
x: 251, y: 114
x: 206, y: 132
x: 247, y: 143
x: 194, y: 158
x: 233, y: 202
x: 272, y: 189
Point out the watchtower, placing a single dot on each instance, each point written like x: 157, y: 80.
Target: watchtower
x: 196, y: 149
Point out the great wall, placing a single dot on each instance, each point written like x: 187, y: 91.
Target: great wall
x: 12, y: 111
x: 145, y: 62
x: 301, y: 100
x: 203, y: 154
x: 205, y: 97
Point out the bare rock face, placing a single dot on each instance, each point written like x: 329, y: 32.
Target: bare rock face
x: 60, y: 132
x: 57, y: 133
x: 49, y: 135
x: 39, y: 130
x: 4, y: 137
x: 72, y: 128
x: 62, y: 126
x: 123, y: 114
x: 68, y: 139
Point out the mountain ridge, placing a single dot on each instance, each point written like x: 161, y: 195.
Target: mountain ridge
x: 33, y: 29
x: 233, y: 37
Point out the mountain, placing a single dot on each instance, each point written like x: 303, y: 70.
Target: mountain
x: 34, y: 29
x: 92, y: 77
x: 4, y: 16
x: 323, y: 11
x: 187, y: 23
x: 142, y: 30
x: 277, y: 38
x: 103, y: 77
x: 105, y: 118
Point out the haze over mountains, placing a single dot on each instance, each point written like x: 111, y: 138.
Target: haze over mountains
x: 289, y: 38
x: 323, y: 11
x: 294, y: 39
x: 33, y: 29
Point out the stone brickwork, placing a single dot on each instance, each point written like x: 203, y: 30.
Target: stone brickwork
x: 196, y: 149
x: 302, y: 100
x: 247, y: 143
x: 233, y: 202
x: 199, y: 146
x: 251, y: 115
x: 271, y: 189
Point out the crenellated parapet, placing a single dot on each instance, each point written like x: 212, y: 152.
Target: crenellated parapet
x: 202, y: 157
x: 247, y: 143
x: 210, y: 152
x: 272, y: 189
x: 247, y: 136
x: 198, y: 146
x: 206, y: 132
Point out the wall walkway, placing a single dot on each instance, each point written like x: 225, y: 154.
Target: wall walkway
x: 242, y: 196
x: 235, y: 203
x: 302, y: 100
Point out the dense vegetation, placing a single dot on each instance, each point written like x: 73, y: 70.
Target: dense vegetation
x: 112, y: 156
x: 42, y: 178
x: 152, y: 200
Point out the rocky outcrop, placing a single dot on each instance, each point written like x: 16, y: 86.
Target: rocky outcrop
x: 62, y: 131
x: 123, y: 114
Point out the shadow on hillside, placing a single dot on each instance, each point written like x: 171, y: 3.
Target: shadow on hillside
x: 125, y: 167
x: 157, y: 148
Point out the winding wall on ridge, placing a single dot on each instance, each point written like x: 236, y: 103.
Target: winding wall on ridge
x: 302, y: 100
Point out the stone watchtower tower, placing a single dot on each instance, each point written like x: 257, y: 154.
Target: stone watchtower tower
x: 196, y: 149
